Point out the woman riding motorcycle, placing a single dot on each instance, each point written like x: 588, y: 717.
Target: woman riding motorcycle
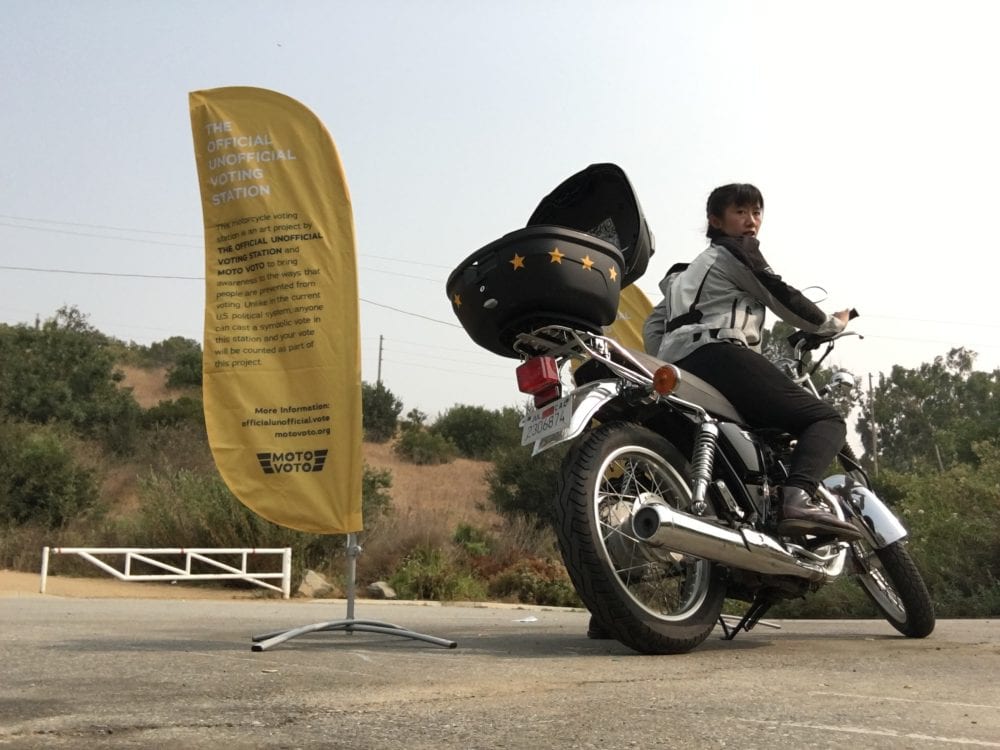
x: 709, y: 323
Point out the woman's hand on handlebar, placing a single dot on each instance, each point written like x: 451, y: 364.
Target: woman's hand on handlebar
x: 844, y: 315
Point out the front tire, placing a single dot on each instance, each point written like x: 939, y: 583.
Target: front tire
x: 892, y: 581
x: 653, y: 601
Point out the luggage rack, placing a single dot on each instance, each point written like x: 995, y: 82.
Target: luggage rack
x: 565, y: 343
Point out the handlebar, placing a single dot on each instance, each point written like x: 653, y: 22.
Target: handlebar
x: 810, y: 341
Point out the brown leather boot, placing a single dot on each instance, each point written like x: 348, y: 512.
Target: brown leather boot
x: 801, y: 514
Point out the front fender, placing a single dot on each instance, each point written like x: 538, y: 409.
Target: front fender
x: 587, y: 401
x: 880, y: 522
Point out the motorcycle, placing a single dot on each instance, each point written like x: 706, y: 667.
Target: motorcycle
x: 668, y: 502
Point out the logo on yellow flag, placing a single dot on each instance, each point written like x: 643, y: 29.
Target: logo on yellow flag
x: 282, y: 366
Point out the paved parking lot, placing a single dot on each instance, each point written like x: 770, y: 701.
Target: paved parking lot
x: 116, y: 673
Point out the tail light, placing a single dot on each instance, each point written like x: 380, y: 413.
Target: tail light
x: 539, y: 377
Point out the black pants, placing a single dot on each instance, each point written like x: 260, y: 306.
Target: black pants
x: 766, y: 397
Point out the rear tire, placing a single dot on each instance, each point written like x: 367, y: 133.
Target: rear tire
x: 653, y: 601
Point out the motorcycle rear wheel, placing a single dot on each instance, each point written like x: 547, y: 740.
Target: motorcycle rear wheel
x: 653, y: 601
x: 893, y: 582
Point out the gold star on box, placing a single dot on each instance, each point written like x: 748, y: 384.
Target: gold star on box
x: 613, y: 273
x: 517, y: 261
x: 587, y: 263
x: 458, y: 300
x: 556, y: 255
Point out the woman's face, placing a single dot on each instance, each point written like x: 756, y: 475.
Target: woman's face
x: 739, y: 221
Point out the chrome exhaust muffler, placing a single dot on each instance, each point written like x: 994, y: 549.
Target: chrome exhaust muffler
x: 659, y: 525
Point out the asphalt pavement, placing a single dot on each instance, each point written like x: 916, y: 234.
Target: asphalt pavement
x: 124, y: 673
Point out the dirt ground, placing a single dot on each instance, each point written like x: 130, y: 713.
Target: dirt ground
x: 15, y: 584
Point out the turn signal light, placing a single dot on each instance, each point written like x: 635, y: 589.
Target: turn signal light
x: 539, y: 376
x: 665, y: 379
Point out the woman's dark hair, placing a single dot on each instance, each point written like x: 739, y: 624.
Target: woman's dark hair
x: 736, y: 194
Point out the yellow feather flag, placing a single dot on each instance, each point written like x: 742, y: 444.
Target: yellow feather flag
x: 282, y: 361
x: 633, y: 309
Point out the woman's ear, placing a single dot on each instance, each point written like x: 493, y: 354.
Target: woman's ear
x: 714, y: 221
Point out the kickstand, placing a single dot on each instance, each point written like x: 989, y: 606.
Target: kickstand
x: 752, y: 618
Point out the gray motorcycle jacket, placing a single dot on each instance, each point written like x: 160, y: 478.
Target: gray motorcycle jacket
x: 722, y: 296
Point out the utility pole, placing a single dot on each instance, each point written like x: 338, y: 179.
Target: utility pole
x: 871, y: 415
x: 937, y: 452
x: 378, y: 380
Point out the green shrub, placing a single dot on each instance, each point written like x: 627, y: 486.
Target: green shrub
x: 165, y: 448
x: 168, y: 352
x: 379, y: 412
x: 473, y: 541
x: 535, y: 581
x: 172, y: 413
x: 64, y: 371
x: 376, y: 501
x: 421, y: 447
x: 952, y: 518
x: 478, y: 432
x: 40, y: 480
x: 522, y: 484
x: 186, y: 370
x: 430, y: 573
x: 190, y: 509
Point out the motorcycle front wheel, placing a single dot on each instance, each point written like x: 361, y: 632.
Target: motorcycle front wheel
x: 652, y: 600
x: 893, y: 582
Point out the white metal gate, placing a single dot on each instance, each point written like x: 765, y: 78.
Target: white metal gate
x: 219, y: 570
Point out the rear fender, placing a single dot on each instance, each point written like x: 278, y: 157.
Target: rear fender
x: 587, y: 401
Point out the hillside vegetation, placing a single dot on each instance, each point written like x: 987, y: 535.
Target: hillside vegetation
x: 102, y: 443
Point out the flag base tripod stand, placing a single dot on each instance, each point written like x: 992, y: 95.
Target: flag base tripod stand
x: 349, y: 625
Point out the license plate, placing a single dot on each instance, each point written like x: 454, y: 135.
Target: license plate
x: 546, y: 421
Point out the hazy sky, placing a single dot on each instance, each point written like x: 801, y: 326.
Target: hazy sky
x: 870, y: 127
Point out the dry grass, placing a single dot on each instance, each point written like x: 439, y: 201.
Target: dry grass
x: 449, y: 494
x: 149, y: 386
x: 444, y: 495
x: 120, y: 482
x: 429, y: 502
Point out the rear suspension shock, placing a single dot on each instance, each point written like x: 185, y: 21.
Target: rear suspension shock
x: 702, y: 463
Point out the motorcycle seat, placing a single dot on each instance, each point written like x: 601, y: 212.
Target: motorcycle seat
x: 692, y: 388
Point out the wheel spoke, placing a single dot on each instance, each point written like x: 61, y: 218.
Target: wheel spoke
x: 655, y: 579
x: 877, y: 584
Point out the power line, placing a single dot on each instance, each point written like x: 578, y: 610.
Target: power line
x: 372, y: 270
x: 365, y: 255
x: 925, y: 320
x: 101, y: 273
x: 99, y: 236
x: 924, y: 341
x: 167, y: 276
x: 397, y: 273
x: 166, y: 234
x: 95, y: 226
x: 431, y: 346
x: 402, y: 260
x: 436, y: 358
x: 202, y: 278
x: 474, y: 355
x: 405, y: 312
x: 449, y: 371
